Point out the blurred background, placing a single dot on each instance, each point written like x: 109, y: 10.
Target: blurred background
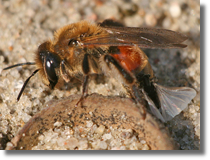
x: 26, y: 24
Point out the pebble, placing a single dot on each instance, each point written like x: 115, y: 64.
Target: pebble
x: 53, y: 140
x: 166, y: 23
x: 103, y: 145
x: 71, y: 143
x: 150, y: 20
x: 136, y: 21
x: 175, y: 10
x: 107, y: 136
x: 57, y: 124
x: 100, y: 130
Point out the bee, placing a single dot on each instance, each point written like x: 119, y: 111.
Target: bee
x: 83, y: 49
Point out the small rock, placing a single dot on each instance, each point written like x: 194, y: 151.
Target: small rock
x: 150, y: 20
x: 175, y: 10
x: 100, y: 130
x: 71, y: 143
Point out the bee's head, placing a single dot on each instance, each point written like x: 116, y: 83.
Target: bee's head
x: 49, y: 63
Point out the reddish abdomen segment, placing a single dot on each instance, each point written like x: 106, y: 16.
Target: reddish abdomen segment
x: 128, y: 57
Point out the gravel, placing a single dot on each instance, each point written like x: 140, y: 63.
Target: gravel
x: 101, y: 122
x: 26, y: 24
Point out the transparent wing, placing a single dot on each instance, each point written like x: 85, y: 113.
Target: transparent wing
x: 153, y: 107
x: 174, y: 100
x: 142, y: 37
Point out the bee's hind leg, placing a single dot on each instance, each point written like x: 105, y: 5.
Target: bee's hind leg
x: 113, y: 68
x: 140, y: 100
x: 136, y: 94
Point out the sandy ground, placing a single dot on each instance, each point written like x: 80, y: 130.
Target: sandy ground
x: 26, y: 24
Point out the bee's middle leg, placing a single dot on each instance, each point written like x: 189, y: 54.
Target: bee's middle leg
x: 86, y: 70
x: 84, y: 90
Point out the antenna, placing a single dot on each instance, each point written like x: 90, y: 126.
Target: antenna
x: 25, y: 83
x: 20, y: 64
x: 27, y: 80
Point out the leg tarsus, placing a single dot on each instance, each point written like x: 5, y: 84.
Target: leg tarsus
x: 140, y: 101
x: 84, y: 90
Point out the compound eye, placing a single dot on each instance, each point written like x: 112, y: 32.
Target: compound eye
x: 52, y: 62
x: 50, y: 70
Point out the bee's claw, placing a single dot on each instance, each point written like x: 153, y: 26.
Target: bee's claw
x: 81, y: 99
